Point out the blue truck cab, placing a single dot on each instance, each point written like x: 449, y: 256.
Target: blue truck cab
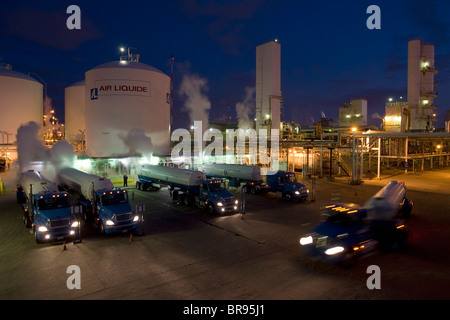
x: 215, y: 197
x: 108, y: 207
x: 346, y: 235
x: 50, y: 216
x: 113, y: 212
x: 286, y: 183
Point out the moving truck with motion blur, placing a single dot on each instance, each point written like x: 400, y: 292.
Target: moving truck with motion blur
x: 350, y: 231
x: 188, y: 187
x: 45, y: 209
x: 281, y: 182
x: 108, y: 207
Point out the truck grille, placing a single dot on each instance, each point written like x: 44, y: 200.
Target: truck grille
x: 123, y: 217
x: 228, y: 201
x: 59, y: 223
x: 321, y: 241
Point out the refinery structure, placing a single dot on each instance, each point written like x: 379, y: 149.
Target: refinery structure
x: 120, y: 115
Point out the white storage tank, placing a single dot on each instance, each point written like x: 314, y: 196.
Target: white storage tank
x: 21, y: 101
x: 124, y: 97
x: 75, y: 111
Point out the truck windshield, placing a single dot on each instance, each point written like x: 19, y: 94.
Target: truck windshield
x: 214, y: 187
x: 345, y: 220
x: 291, y: 178
x: 114, y: 198
x: 52, y: 203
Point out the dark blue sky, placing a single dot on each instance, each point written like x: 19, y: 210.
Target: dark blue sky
x: 329, y: 55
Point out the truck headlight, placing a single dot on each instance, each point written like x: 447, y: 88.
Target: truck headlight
x: 136, y: 218
x: 219, y: 204
x: 109, y: 222
x: 236, y: 202
x: 75, y: 224
x: 306, y: 240
x: 334, y: 250
x: 297, y: 192
x: 42, y: 229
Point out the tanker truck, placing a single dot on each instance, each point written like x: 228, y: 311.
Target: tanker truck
x: 108, y: 207
x: 350, y: 231
x: 281, y: 182
x: 45, y: 209
x: 188, y: 187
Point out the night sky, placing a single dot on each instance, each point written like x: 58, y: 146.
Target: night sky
x: 329, y: 55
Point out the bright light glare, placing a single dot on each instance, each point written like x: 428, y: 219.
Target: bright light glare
x: 306, y: 240
x: 109, y: 223
x: 334, y: 250
x: 42, y: 229
x: 136, y: 218
x: 75, y: 224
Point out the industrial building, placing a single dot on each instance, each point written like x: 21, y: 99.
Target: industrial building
x: 421, y: 85
x: 418, y: 113
x: 353, y: 113
x: 121, y: 112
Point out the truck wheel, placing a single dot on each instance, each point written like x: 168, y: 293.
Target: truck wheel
x: 211, y: 209
x: 26, y: 220
x: 349, y: 259
x: 36, y: 237
x: 288, y: 196
x: 138, y: 185
x: 187, y: 201
x: 102, y: 228
x: 180, y: 199
x: 253, y: 190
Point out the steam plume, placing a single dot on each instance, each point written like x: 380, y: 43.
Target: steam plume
x: 245, y: 107
x: 193, y: 88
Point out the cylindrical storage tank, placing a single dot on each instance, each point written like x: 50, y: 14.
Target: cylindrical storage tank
x: 238, y: 171
x: 180, y: 176
x: 83, y: 182
x: 21, y: 101
x: 127, y: 101
x: 75, y: 111
x: 33, y: 181
x: 386, y: 203
x: 414, y: 47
